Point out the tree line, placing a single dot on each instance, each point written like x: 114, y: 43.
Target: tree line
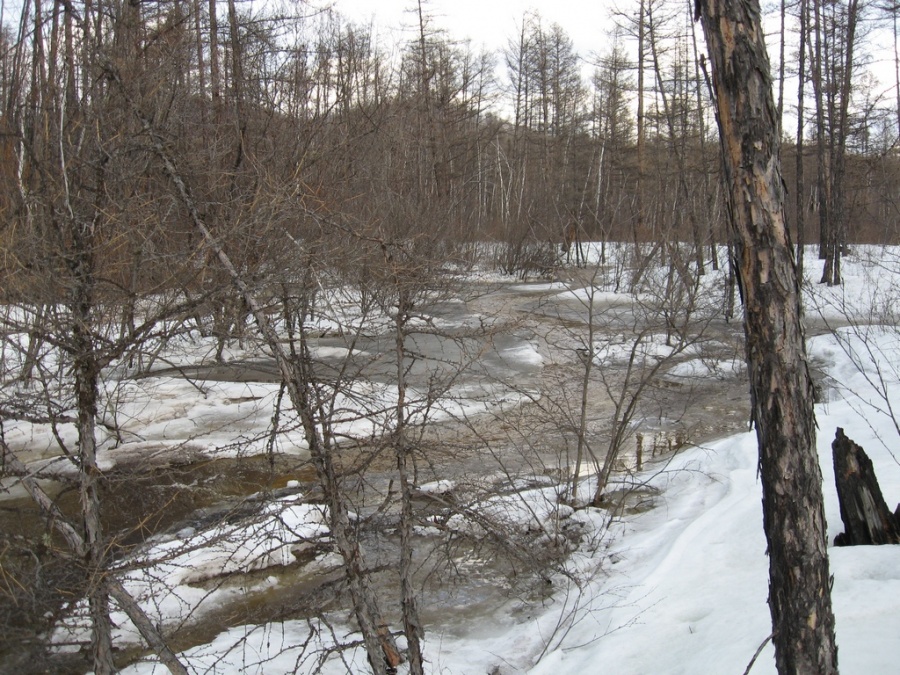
x: 531, y: 147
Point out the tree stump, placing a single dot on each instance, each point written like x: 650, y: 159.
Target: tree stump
x: 867, y: 519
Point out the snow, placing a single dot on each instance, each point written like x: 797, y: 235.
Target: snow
x: 166, y: 577
x: 589, y: 295
x: 525, y: 354
x: 643, y: 350
x: 437, y: 487
x: 699, y: 369
x: 678, y: 588
x: 696, y: 567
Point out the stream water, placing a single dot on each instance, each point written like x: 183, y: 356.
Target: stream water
x: 528, y: 354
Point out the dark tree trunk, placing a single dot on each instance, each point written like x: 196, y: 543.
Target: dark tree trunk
x: 86, y: 369
x: 800, y: 186
x: 823, y: 169
x: 781, y: 388
x: 412, y: 624
x: 867, y: 518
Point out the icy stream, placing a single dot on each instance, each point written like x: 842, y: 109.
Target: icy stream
x: 488, y: 375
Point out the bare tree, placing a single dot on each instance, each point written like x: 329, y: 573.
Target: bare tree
x: 781, y: 386
x: 836, y: 38
x: 76, y: 286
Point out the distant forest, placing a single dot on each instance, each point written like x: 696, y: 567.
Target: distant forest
x: 283, y: 120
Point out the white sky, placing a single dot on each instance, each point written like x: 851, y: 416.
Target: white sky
x: 491, y: 22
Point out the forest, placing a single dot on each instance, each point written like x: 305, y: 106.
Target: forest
x: 407, y: 321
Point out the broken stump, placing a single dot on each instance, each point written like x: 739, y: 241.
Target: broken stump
x: 867, y: 518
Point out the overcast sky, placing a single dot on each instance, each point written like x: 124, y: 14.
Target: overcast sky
x: 490, y: 22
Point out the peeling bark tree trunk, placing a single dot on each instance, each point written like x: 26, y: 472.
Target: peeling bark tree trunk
x: 867, y: 518
x: 781, y: 388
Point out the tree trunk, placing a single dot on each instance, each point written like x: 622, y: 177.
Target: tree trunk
x: 781, y: 387
x: 867, y: 519
x: 639, y: 193
x: 894, y: 10
x: 800, y: 185
x: 86, y: 371
x: 823, y: 169
x: 838, y: 208
x: 214, y: 73
x: 412, y: 624
x: 197, y: 11
x: 591, y: 350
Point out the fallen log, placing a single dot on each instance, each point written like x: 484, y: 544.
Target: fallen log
x: 867, y: 518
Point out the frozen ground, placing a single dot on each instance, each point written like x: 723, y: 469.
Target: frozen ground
x: 677, y: 588
x: 681, y: 587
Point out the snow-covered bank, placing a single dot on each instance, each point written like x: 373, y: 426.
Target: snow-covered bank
x: 679, y: 588
x: 167, y: 578
x: 698, y: 567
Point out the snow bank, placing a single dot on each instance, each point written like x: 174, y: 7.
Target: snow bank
x: 166, y: 579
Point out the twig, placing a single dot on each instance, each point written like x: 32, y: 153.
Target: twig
x: 758, y: 652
